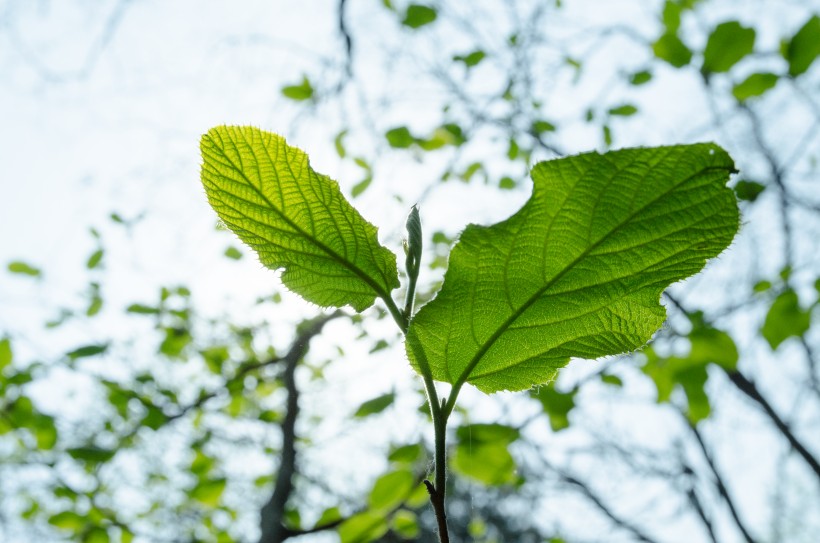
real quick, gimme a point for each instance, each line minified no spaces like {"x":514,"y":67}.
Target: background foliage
{"x":146,"y":396}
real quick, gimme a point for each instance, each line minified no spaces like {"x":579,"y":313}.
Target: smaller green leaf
{"x":45,"y":431}
{"x":726,"y":46}
{"x":176,"y":339}
{"x":506,"y":183}
{"x":624,"y":110}
{"x":95,"y":259}
{"x":23,"y":268}
{"x":400,"y":137}
{"x":540,"y":126}
{"x":762,"y":286}
{"x":94,"y":306}
{"x":87,"y":351}
{"x":471,"y":59}
{"x":405,"y":524}
{"x":6,"y":354}
{"x":339,"y":144}
{"x":209,"y":491}
{"x":329,"y":516}
{"x":390,"y":490}
{"x":671,"y":16}
{"x":640,"y":78}
{"x":671,"y":49}
{"x":804,"y":47}
{"x":361,"y":186}
{"x":613,"y":380}
{"x":754,"y":85}
{"x":233,"y":253}
{"x":362,"y":528}
{"x":96,"y":534}
{"x":300,"y":92}
{"x":785,"y":319}
{"x":487,"y":434}
{"x":141,"y":309}
{"x":748,"y":190}
{"x":490,"y":463}
{"x":91,"y":454}
{"x":710,"y":345}
{"x":418,"y":16}
{"x":556,"y":405}
{"x":607,"y":134}
{"x":406,"y":454}
{"x":374,"y":406}
{"x":69,"y":521}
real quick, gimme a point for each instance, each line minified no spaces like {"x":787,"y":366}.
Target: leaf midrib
{"x":516,"y":314}
{"x":355,"y":269}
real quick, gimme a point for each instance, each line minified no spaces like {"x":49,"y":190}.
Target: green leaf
{"x":329,"y":516}
{"x":471,"y":59}
{"x":23,"y":268}
{"x":624,"y":110}
{"x":92,"y":454}
{"x":68,"y":520}
{"x":87,"y":350}
{"x":727,"y":45}
{"x":294,"y":218}
{"x":406,"y":454}
{"x":640,"y":78}
{"x":540,"y":126}
{"x":376,"y":405}
{"x":209,"y":491}
{"x":390,"y":490}
{"x":400,"y":137}
{"x":710,"y":345}
{"x":233,"y":253}
{"x":785,"y":319}
{"x":362,"y":528}
{"x":556,"y":405}
{"x":804,"y":47}
{"x":490,"y":463}
{"x":670,"y":48}
{"x":754,"y":85}
{"x":579,"y":270}
{"x":748,"y":190}
{"x":95,"y":259}
{"x":671,"y":16}
{"x":142,"y":309}
{"x":339,"y":144}
{"x":300,"y":92}
{"x":6,"y":354}
{"x":418,"y":16}
{"x":405,"y":524}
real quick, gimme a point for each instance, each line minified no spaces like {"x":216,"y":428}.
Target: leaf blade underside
{"x":265,"y":191}
{"x":578,"y":271}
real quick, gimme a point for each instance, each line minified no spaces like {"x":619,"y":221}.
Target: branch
{"x":721,"y":486}
{"x":273,"y":512}
{"x":748,"y":387}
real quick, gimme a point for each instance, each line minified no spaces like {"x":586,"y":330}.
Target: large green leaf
{"x":294,"y":218}
{"x":579,"y":270}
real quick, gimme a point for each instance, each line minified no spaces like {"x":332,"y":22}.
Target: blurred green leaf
{"x":362,"y":528}
{"x":6,"y":354}
{"x":748,"y":190}
{"x":208,"y":491}
{"x":329,"y":516}
{"x":785,"y":319}
{"x":87,"y":351}
{"x":405,"y":524}
{"x":374,"y":406}
{"x":804,"y":47}
{"x":471,"y":59}
{"x":671,"y":16}
{"x":556,"y":404}
{"x":418,"y":15}
{"x":23,"y":268}
{"x":69,"y":521}
{"x":406,"y":454}
{"x":489,"y":463}
{"x":300,"y":92}
{"x":91,"y":454}
{"x":400,"y":137}
{"x":95,"y":259}
{"x":624,"y":110}
{"x":540,"y":126}
{"x":390,"y":490}
{"x":726,"y":46}
{"x":141,"y":309}
{"x":754,"y":85}
{"x":339,"y":144}
{"x":233,"y":253}
{"x":672,"y":50}
{"x":640,"y":78}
